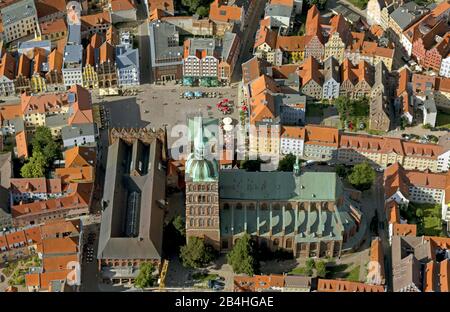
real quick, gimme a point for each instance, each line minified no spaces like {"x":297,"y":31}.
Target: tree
{"x":44,"y":143}
{"x":241,"y":258}
{"x":419,"y":213}
{"x":342,"y":171}
{"x":251,"y":164}
{"x":34,"y":167}
{"x":145,"y":277}
{"x":191,"y":5}
{"x":287,"y":163}
{"x":179,"y":225}
{"x":321,"y":268}
{"x":309,"y":266}
{"x":362,"y":176}
{"x":319,"y":3}
{"x":202,"y":11}
{"x":195,"y":254}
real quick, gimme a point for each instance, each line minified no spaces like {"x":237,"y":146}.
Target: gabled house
{"x":348,"y":78}
{"x":311,"y":79}
{"x":7,"y":75}
{"x":339,"y":38}
{"x":22,"y":81}
{"x":331,"y":78}
{"x":315,"y":47}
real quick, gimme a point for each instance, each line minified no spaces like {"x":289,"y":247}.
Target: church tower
{"x":202,"y":190}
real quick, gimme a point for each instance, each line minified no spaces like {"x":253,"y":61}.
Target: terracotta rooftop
{"x":395,"y":180}
{"x":60,"y":245}
{"x":348,"y":72}
{"x":284,"y":71}
{"x":10,"y":111}
{"x":309,"y":70}
{"x":122,"y":5}
{"x":79,"y":156}
{"x":79,"y":198}
{"x":24,"y":67}
{"x":267,"y":36}
{"x":372,"y":49}
{"x":321,"y":135}
{"x":58,"y":25}
{"x":392,"y":211}
{"x":33,"y":235}
{"x":16,"y":238}
{"x":253,"y":69}
{"x":55,"y":60}
{"x":313,"y":22}
{"x":403,"y":80}
{"x":327,"y":285}
{"x":35,"y":185}
{"x":444,"y":275}
{"x":262,"y":107}
{"x":58,"y":263}
{"x":292,"y":43}
{"x":49,"y":7}
{"x":43,"y":103}
{"x":293,"y":132}
{"x":8,"y":66}
{"x":55,"y":228}
{"x":289,"y":3}
{"x":164,"y":5}
{"x":224,"y":13}
{"x":81,"y":174}
{"x":263,"y":83}
{"x":404,"y":229}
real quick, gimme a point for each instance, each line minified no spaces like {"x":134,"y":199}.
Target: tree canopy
{"x":202,"y":11}
{"x":287,"y":163}
{"x":196,"y":254}
{"x":309,"y":266}
{"x":179,"y":225}
{"x":145,"y":277}
{"x":34,"y":167}
{"x":201,"y":7}
{"x":362,"y":176}
{"x":321,"y":269}
{"x":242,"y":257}
{"x":251,"y":164}
{"x":319,"y":3}
{"x":43,"y":142}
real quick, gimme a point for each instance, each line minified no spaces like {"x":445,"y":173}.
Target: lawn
{"x":360,"y":4}
{"x":353,"y":275}
{"x":429,"y":224}
{"x":299,"y":271}
{"x":432,"y":224}
{"x":204,"y":277}
{"x":337,"y":271}
{"x":443,"y":119}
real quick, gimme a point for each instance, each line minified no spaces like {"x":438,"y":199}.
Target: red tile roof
{"x":321,"y":135}
{"x":404,"y":229}
{"x":224,"y":13}
{"x":327,"y":285}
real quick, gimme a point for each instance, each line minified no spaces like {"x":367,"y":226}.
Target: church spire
{"x":198,"y":140}
{"x":297,"y":166}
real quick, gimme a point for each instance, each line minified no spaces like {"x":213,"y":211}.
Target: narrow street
{"x":383,"y":230}
{"x":144,"y":53}
{"x":248,"y":39}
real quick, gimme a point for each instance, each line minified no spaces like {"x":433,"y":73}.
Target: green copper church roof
{"x":308,"y":186}
{"x":201,"y":167}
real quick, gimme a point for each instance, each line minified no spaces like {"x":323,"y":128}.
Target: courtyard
{"x":157,"y":106}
